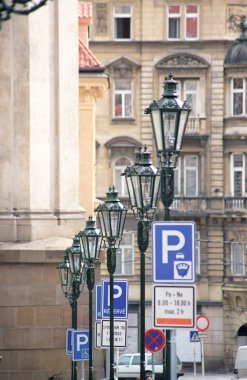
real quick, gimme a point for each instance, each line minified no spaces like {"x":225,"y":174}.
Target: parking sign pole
{"x":143,"y":241}
{"x":90,"y":285}
{"x":167,"y":195}
{"x":73,"y":305}
{"x":111,"y":266}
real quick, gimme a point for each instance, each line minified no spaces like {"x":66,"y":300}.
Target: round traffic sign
{"x":202,"y":323}
{"x":154,"y":340}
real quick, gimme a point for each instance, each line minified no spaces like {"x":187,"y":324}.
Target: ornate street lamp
{"x":90,"y":241}
{"x":20,"y":7}
{"x":72,"y":276}
{"x":112,"y":216}
{"x":65,"y":275}
{"x":143,"y":182}
{"x":169,"y":117}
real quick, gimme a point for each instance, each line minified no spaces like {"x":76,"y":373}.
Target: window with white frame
{"x":239,"y":97}
{"x":125,"y":255}
{"x":237,"y":259}
{"x":186,"y":184}
{"x":191,"y":22}
{"x":239,"y":174}
{"x":187,"y":12}
{"x":123,"y":98}
{"x":188,"y":89}
{"x":174,"y":16}
{"x":122,"y":22}
{"x":191,"y":176}
{"x":118,"y":179}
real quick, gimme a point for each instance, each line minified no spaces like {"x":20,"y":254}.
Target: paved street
{"x":190,"y":376}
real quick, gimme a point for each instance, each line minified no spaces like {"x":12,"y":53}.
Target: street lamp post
{"x":112,"y":216}
{"x":72,"y":275}
{"x":90,"y":242}
{"x":143,"y":184}
{"x":169,"y":117}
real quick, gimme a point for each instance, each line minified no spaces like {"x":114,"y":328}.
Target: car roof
{"x":136,"y":354}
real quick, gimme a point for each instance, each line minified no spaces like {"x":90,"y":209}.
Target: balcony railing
{"x":206,"y":205}
{"x":196,"y":125}
{"x":235,"y":203}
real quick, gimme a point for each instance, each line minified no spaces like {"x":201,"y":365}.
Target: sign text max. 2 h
{"x":173,"y":252}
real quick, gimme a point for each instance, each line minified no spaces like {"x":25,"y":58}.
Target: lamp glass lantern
{"x":90,"y":241}
{"x":169,"y":117}
{"x":112,"y":214}
{"x":75,"y":257}
{"x":143,"y":182}
{"x":65,"y":274}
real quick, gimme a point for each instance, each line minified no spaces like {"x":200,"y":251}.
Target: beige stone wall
{"x":34,"y":312}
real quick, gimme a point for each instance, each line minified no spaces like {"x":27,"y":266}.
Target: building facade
{"x":203,"y":43}
{"x":47,"y":131}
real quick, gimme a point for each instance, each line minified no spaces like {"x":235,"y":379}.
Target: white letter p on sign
{"x":166,"y":247}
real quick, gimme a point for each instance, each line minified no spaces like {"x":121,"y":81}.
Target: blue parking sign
{"x":69,"y":341}
{"x":120,"y":299}
{"x":98,"y":302}
{"x":80,"y":345}
{"x":173,"y":251}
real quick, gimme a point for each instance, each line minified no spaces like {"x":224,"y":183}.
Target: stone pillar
{"x":39,"y":192}
{"x":91,"y":88}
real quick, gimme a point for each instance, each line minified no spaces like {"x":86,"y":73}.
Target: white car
{"x":128,"y":367}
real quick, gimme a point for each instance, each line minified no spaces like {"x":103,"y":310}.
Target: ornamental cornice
{"x":183,"y":60}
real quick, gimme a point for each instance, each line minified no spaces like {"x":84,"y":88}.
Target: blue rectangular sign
{"x":98,"y":302}
{"x":80,"y":345}
{"x":69,"y":341}
{"x":173,"y":251}
{"x":120,"y":299}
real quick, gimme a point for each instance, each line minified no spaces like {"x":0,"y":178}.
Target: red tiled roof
{"x":86,"y":58}
{"x":84,"y":10}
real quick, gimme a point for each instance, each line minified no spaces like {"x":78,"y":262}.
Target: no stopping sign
{"x":154,"y":340}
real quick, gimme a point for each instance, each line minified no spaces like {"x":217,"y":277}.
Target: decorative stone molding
{"x":123,"y":67}
{"x":102,"y":12}
{"x":183,"y":60}
{"x":122,"y":141}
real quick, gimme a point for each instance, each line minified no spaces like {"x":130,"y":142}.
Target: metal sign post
{"x":202,"y":324}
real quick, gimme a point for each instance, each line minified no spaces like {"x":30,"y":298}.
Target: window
{"x":119,"y":180}
{"x":188,"y":183}
{"x":136,"y":360}
{"x":239,"y":98}
{"x":191,"y":23}
{"x":190,"y":176}
{"x":125,"y":255}
{"x":122,"y":22}
{"x":239,"y":175}
{"x":125,"y":360}
{"x":123,"y":98}
{"x":188,"y":89}
{"x":174,"y":22}
{"x":237,"y":259}
{"x":176,"y":14}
